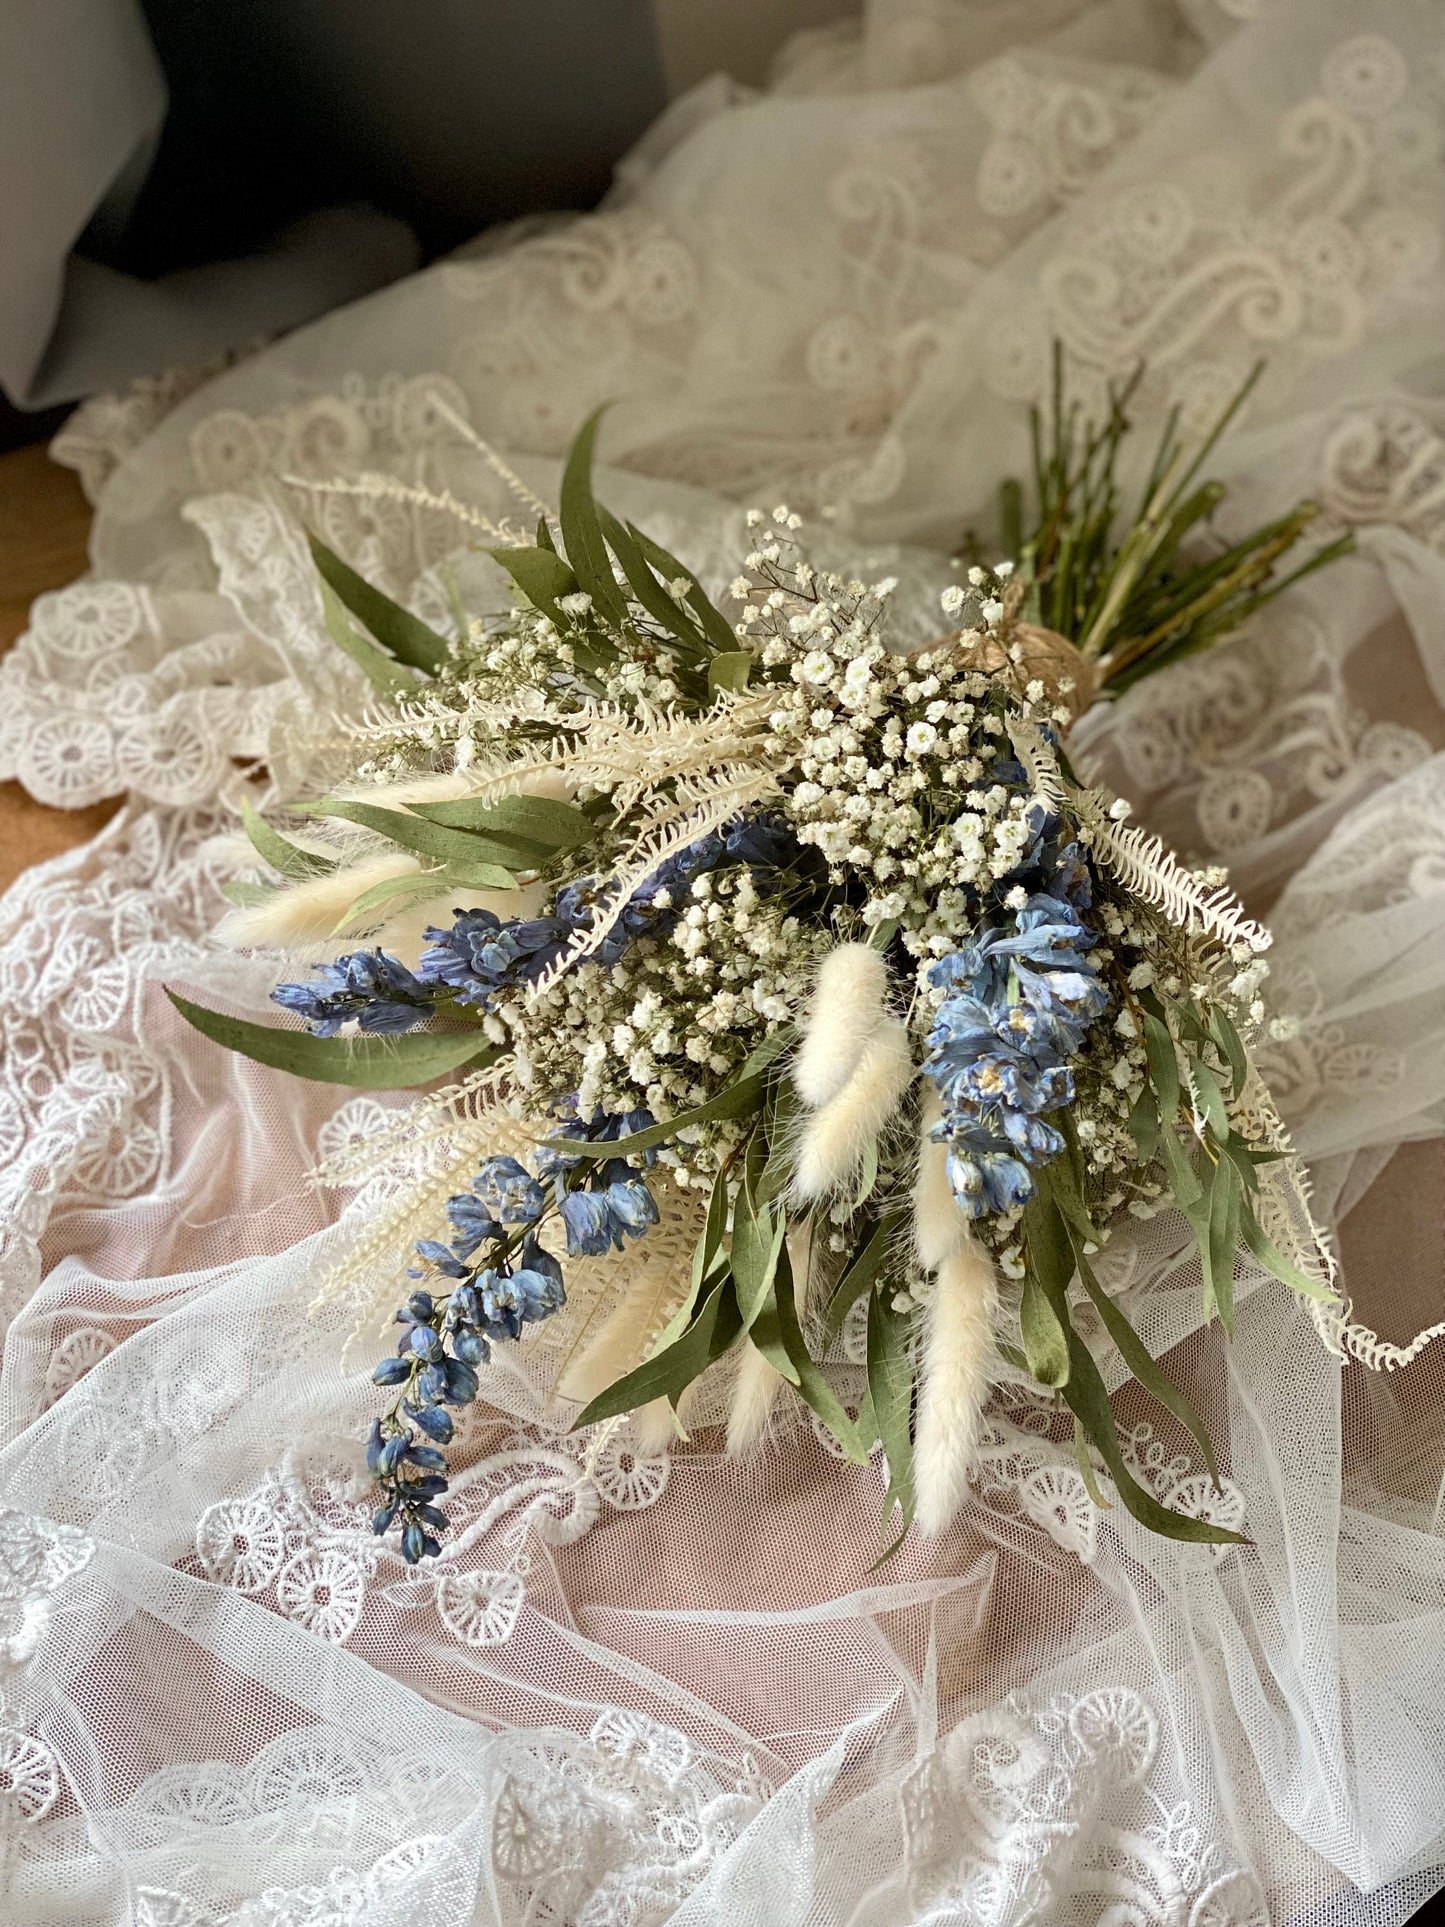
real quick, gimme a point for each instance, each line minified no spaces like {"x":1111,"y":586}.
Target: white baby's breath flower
{"x":921,"y":738}
{"x":816,"y":666}
{"x":952,"y":599}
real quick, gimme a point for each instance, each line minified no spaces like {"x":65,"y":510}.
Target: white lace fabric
{"x":638,"y":1690}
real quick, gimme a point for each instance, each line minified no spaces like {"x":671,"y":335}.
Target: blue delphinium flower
{"x":480,"y":954}
{"x":376,"y":990}
{"x":507,"y":1189}
{"x":1020,"y":1004}
{"x":493,"y":1279}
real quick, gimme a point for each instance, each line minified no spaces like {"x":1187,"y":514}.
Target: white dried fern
{"x":1144,"y":865}
{"x":373,"y":487}
{"x":1041,"y":766}
{"x":640,"y":861}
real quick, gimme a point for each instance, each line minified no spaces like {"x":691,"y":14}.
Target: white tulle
{"x":649,"y":1685}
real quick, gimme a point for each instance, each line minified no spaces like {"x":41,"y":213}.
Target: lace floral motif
{"x":305,"y":1798}
{"x":36,"y":1560}
{"x":1022,"y":1468}
{"x":1191,"y":279}
{"x":80,"y":1095}
{"x":1052,"y":130}
{"x":1386,"y":464}
{"x":95,"y":699}
{"x":104,"y":429}
{"x":615,"y":1830}
{"x":1265,"y":731}
{"x":987,"y":1816}
{"x":559,"y":319}
{"x":1389,"y":851}
{"x":304,"y":1538}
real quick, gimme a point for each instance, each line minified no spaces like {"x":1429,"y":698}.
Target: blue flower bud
{"x":421,"y":1306}
{"x":461,"y":1381}
{"x":471,"y":1347}
{"x":426,"y":1487}
{"x":382,"y":1517}
{"x":413,"y":1544}
{"x":432,"y":1385}
{"x":392,"y":1371}
{"x":433,"y":1421}
{"x":392,"y":1453}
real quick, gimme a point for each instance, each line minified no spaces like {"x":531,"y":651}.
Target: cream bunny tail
{"x":955,"y":1383}
{"x":756,"y":1388}
{"x":621,"y":1341}
{"x":309,"y":912}
{"x":847,"y":1008}
{"x":836,"y":1136}
{"x":940,"y":1226}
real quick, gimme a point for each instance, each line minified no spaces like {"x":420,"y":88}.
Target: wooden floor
{"x":44,"y":525}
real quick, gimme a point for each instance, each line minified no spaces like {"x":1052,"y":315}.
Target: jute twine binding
{"x":1025,"y":652}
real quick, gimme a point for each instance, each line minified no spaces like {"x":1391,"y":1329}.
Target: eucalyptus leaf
{"x":718,"y":630}
{"x":1089,"y":1402}
{"x":1231,"y":1048}
{"x":368,"y":1063}
{"x":1046,"y":1343}
{"x":1142,"y":1364}
{"x":654,"y":597}
{"x":285,"y":857}
{"x":890,"y":1390}
{"x":669,"y":1373}
{"x":1144,"y":1124}
{"x":1163,"y":1061}
{"x":543,"y":577}
{"x":1044,"y":1307}
{"x":425,"y":883}
{"x":779,"y":1336}
{"x":247,"y":896}
{"x":582,"y":527}
{"x":381,"y":670}
{"x":756,"y":1242}
{"x":1209,"y":1096}
{"x":543,"y":821}
{"x":738,"y":1099}
{"x":730,"y":671}
{"x":1086,"y":1469}
{"x":863,"y":1268}
{"x":1224,"y":1239}
{"x":406,"y":636}
{"x":1274,"y":1260}
{"x":475,"y":859}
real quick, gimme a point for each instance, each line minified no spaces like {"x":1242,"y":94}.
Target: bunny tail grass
{"x":939,"y":1226}
{"x":837,"y":1135}
{"x":654,"y":1428}
{"x":309,"y":912}
{"x":846,"y":1009}
{"x":621,"y":1341}
{"x":955,"y":1383}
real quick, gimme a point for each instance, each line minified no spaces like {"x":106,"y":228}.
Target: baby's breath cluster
{"x":673,"y":1018}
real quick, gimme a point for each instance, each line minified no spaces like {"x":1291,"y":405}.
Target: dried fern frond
{"x":505,"y":474}
{"x":640,"y":862}
{"x":1041,"y":765}
{"x":1144,"y":865}
{"x":372,"y":487}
